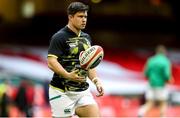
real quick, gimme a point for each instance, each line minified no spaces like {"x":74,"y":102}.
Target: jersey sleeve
{"x":146,"y":68}
{"x":56,"y":46}
{"x":167,"y":71}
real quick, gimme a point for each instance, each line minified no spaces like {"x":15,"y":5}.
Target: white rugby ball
{"x":91,"y":57}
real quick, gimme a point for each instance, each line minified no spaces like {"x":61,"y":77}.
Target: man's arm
{"x":93,"y":77}
{"x":168,"y":73}
{"x":55,"y":66}
{"x":146,"y":69}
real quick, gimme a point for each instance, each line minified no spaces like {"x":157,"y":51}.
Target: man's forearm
{"x":55,"y":66}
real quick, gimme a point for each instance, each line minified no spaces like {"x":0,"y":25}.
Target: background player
{"x":158,"y":73}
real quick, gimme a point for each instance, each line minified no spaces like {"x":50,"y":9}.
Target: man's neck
{"x":76,"y":31}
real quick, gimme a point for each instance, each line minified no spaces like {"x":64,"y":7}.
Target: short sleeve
{"x":146,"y":68}
{"x":56,"y":47}
{"x":167,"y":70}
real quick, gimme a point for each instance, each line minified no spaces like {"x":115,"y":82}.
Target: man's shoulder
{"x":60,"y":33}
{"x":161,"y":59}
{"x":84,"y":34}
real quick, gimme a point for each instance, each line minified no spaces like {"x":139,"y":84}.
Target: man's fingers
{"x":75,"y":71}
{"x":76,"y":77}
{"x":100,"y":94}
{"x":79,"y":78}
{"x":100,"y":90}
{"x":82,"y":79}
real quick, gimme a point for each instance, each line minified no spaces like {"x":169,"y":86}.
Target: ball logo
{"x":91,"y":57}
{"x":86,"y":55}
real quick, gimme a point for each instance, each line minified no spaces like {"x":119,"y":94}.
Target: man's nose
{"x":84,"y":19}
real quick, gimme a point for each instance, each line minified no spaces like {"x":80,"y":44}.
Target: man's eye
{"x":83,"y":16}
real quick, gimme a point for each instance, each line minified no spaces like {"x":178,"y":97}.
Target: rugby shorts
{"x":159,"y":93}
{"x":63,"y":104}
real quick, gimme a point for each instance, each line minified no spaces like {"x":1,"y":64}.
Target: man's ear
{"x":70,"y":16}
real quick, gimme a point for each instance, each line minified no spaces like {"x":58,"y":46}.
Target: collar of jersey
{"x":73,"y":32}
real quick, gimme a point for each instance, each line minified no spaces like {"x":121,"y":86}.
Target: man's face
{"x":79,"y":20}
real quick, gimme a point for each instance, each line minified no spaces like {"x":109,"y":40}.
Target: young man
{"x":69,"y":92}
{"x":158,"y":73}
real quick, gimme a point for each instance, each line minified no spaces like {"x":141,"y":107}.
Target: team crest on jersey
{"x":78,"y":44}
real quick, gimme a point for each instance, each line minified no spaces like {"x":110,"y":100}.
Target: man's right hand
{"x":55,"y":66}
{"x":74,"y":76}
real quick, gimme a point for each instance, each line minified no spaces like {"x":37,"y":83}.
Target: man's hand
{"x":99,"y":89}
{"x":99,"y":86}
{"x":74,"y":76}
{"x":55,"y":66}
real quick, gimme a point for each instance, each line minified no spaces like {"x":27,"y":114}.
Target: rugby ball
{"x":91,"y":57}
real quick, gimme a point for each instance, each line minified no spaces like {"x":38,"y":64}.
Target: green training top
{"x":158,"y":70}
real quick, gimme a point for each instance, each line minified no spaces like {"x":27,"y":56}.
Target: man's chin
{"x":83,"y":27}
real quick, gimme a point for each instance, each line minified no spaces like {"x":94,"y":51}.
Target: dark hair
{"x":75,"y":7}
